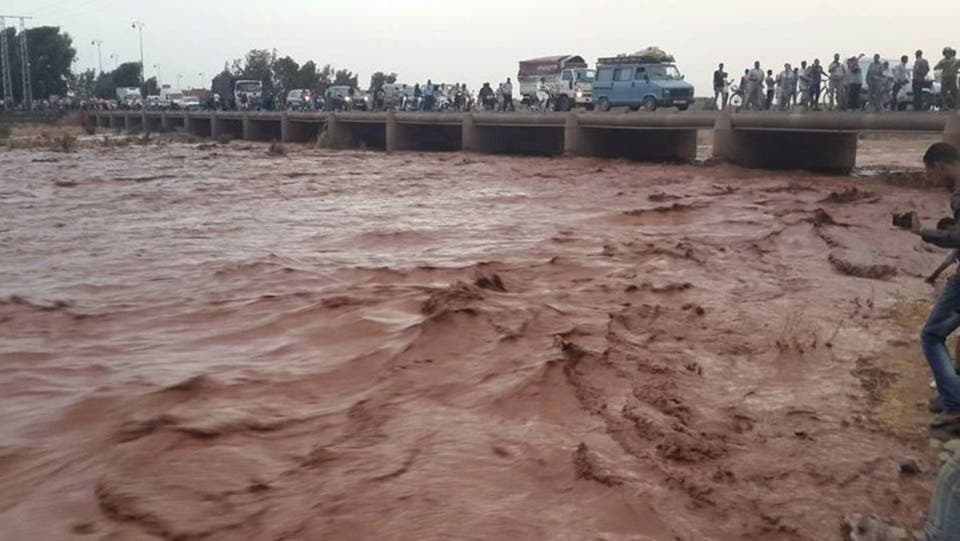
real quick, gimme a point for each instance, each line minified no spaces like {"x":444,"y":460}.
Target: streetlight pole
{"x":157,"y":68}
{"x":202,"y":84}
{"x":139,"y":26}
{"x":179,"y":76}
{"x":116,"y":60}
{"x":98,"y":43}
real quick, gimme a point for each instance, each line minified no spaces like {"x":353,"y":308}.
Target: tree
{"x":51,"y":54}
{"x":346,"y":78}
{"x":286,"y":75}
{"x":378,"y":79}
{"x":151,"y":87}
{"x":223,"y":84}
{"x":127,"y":74}
{"x":257,"y":65}
{"x":84,"y":84}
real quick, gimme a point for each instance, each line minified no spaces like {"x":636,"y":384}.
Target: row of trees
{"x":52,"y":54}
{"x":283,"y":74}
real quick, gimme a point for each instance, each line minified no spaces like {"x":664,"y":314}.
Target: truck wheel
{"x":683,"y":107}
{"x":650,"y":103}
{"x":603,"y":104}
{"x":563,"y":103}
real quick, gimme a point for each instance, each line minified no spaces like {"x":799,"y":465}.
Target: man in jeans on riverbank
{"x":942,"y":162}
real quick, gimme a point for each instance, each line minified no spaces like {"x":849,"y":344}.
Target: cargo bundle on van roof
{"x":650,"y":55}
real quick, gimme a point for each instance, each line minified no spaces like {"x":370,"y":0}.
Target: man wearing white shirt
{"x":901,"y":78}
{"x":838,"y":72}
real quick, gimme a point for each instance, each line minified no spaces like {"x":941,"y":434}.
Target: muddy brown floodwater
{"x":204,"y":342}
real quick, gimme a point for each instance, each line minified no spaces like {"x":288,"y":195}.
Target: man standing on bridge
{"x":875,"y":80}
{"x":948,"y":78}
{"x":816,"y":82}
{"x":901,"y":77}
{"x":720,"y":87}
{"x":507,"y":90}
{"x":755,"y":88}
{"x":920,"y":70}
{"x":838,"y":72}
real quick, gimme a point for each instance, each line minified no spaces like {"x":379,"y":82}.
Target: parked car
{"x":347,"y":98}
{"x":635,"y":81}
{"x":299,"y":99}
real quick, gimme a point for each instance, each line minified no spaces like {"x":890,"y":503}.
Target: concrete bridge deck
{"x":812,"y":140}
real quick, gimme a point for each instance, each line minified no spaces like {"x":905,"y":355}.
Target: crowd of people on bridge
{"x":851,"y":84}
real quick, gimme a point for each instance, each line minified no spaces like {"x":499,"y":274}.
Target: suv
{"x":634,"y":82}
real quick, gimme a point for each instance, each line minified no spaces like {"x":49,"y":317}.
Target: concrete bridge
{"x":816,"y":141}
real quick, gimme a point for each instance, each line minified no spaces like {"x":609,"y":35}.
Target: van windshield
{"x":586,"y":75}
{"x":248,"y":87}
{"x":663,"y":72}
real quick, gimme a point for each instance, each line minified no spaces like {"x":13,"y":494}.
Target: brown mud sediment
{"x":204,"y":343}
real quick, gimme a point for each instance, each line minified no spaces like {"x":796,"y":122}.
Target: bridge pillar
{"x":214,"y":125}
{"x":951,"y":132}
{"x":187,"y":122}
{"x":247,"y":127}
{"x":131,"y":122}
{"x":164,"y":122}
{"x":338,"y":135}
{"x":469,"y":136}
{"x":723,"y":147}
{"x":572,"y":135}
{"x":144,"y":121}
{"x":286,"y":135}
{"x":393,"y":135}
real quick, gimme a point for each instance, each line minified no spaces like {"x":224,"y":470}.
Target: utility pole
{"x":116,"y":60}
{"x":201,"y":80}
{"x":98,"y":43}
{"x":5,"y":66}
{"x":179,"y":76}
{"x":24,"y":62}
{"x":139,"y":26}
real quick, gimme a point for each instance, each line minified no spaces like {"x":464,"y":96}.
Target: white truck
{"x":568,"y":80}
{"x":171,"y":98}
{"x":129,"y":97}
{"x":248,"y":94}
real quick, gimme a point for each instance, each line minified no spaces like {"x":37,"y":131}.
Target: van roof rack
{"x":635,"y":59}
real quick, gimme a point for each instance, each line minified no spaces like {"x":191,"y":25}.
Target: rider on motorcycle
{"x":487,"y":98}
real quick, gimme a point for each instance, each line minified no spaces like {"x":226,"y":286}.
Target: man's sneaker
{"x":946,"y":418}
{"x":933,"y":384}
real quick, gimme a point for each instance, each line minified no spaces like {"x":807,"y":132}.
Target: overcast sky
{"x":477,"y":41}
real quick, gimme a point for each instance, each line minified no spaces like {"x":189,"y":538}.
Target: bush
{"x":224,"y":139}
{"x":90,"y":128}
{"x":5,"y":131}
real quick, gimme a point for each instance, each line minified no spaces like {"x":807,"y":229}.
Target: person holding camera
{"x":942,"y":163}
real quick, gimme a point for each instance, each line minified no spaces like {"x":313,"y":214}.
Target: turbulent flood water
{"x":205,"y":342}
